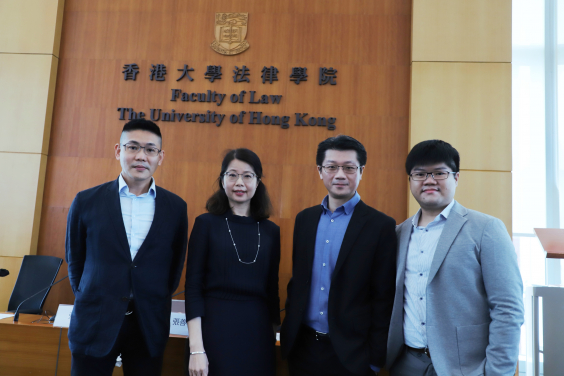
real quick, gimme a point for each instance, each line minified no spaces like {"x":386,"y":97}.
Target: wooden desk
{"x":28,"y":348}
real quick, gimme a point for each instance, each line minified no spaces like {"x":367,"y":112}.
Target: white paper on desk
{"x":62,"y":319}
{"x":6,"y":315}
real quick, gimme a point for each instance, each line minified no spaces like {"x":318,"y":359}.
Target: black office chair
{"x":36,"y":273}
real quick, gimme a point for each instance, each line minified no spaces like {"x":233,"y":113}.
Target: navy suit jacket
{"x":103,"y":275}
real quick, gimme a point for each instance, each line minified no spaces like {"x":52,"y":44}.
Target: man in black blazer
{"x":125,"y":247}
{"x":341,"y":293}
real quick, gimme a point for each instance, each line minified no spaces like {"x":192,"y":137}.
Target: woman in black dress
{"x":232,"y":303}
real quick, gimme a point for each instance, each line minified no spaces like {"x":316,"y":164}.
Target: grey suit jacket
{"x":474,"y":297}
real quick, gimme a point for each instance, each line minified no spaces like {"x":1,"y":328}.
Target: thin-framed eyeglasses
{"x":149,"y":151}
{"x":333,"y":169}
{"x":247,"y":177}
{"x":437,"y":175}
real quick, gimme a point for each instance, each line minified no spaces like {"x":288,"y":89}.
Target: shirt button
{"x":421,"y":274}
{"x":326,"y":241}
{"x":323,"y":288}
{"x":426,"y":230}
{"x":323,"y":264}
{"x":320,"y":313}
{"x":422,"y":323}
{"x":420,"y":298}
{"x":421,"y":251}
{"x":332,"y":220}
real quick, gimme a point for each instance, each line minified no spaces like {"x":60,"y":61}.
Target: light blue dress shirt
{"x":330,"y":233}
{"x":137,"y":213}
{"x":420,"y":252}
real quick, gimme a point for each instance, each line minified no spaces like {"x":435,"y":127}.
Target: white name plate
{"x":62,"y":320}
{"x":178,"y":324}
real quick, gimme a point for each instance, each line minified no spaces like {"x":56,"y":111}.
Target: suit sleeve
{"x":181,"y":242}
{"x":290,"y":283}
{"x":504,"y":289}
{"x":195,"y":270}
{"x":383,"y":292}
{"x":273,"y":295}
{"x":75,"y":244}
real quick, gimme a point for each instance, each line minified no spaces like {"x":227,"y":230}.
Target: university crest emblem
{"x":230,"y":33}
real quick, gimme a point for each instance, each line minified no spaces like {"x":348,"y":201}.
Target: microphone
{"x":4,"y":272}
{"x":17,"y":314}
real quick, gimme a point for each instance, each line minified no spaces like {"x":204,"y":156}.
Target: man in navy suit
{"x":125,"y":247}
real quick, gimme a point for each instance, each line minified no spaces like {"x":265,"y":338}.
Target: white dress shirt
{"x":137,"y":213}
{"x":420,"y":252}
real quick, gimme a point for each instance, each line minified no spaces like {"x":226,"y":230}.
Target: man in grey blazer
{"x":458,"y":306}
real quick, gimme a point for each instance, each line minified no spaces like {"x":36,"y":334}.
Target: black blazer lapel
{"x":311,"y":222}
{"x":161,"y":208}
{"x":356,"y":224}
{"x":114,"y":213}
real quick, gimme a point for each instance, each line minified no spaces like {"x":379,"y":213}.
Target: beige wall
{"x":30,"y":34}
{"x":461,"y":93}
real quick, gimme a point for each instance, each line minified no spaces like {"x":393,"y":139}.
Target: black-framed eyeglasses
{"x":247,"y":177}
{"x":333,"y":169}
{"x":149,"y":151}
{"x":437,"y":175}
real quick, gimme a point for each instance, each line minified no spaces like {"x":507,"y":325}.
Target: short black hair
{"x":142,"y":125}
{"x":218,"y":203}
{"x":342,"y":143}
{"x":432,"y":152}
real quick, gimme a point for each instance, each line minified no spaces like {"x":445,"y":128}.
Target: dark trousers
{"x":411,"y":363}
{"x":135,"y":356}
{"x":311,"y":356}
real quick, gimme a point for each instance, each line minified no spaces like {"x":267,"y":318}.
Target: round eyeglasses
{"x":248,"y":177}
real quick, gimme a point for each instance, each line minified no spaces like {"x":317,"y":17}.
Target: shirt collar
{"x":444,"y":214}
{"x":348,"y":206}
{"x":123,"y":185}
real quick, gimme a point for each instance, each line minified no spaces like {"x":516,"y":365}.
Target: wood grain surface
{"x":28,"y":348}
{"x":367,"y":41}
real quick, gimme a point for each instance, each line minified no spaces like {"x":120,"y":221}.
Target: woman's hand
{"x":198,"y":365}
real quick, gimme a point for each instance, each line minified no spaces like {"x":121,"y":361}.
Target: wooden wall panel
{"x":368,"y":42}
{"x":31,"y":26}
{"x":462,"y":30}
{"x":27,"y":90}
{"x":20,"y":201}
{"x":467,"y":105}
{"x":12,"y":264}
{"x":29,"y":44}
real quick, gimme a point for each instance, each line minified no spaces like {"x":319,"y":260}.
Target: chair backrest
{"x":36,"y":273}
